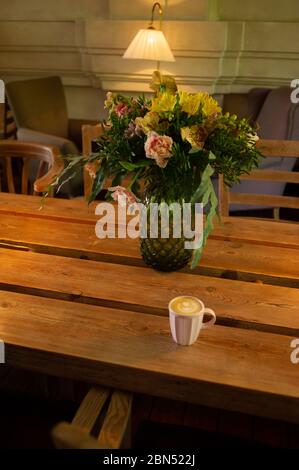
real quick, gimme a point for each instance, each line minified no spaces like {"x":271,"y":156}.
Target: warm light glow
{"x":149,"y":44}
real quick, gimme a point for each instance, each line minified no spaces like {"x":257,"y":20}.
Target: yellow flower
{"x":209,"y":105}
{"x":195,"y":135}
{"x":148,"y":123}
{"x":190,"y":102}
{"x":109,"y":100}
{"x":164,"y":103}
{"x":165,"y":82}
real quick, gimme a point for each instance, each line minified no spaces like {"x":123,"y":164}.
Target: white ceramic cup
{"x":185,"y":327}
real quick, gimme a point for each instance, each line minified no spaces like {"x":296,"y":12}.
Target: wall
{"x":219,"y":45}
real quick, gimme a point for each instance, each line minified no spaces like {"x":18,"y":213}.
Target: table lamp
{"x":150,"y":43}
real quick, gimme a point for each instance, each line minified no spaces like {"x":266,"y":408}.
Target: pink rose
{"x":122,"y":195}
{"x":158,"y":147}
{"x":121,"y":109}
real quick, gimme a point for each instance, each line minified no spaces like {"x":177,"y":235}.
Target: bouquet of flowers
{"x":174,"y":143}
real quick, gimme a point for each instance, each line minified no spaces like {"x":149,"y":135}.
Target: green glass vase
{"x":164,"y":253}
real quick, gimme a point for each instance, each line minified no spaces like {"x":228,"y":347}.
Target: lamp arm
{"x":156,"y":5}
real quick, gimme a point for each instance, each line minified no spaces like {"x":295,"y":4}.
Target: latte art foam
{"x":186,"y":306}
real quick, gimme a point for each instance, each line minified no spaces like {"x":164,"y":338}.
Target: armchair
{"x":39,"y":105}
{"x":40,"y":113}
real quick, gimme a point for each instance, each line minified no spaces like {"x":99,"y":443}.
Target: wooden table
{"x":75,"y":306}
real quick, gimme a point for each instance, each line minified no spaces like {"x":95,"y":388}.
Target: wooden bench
{"x":102,"y":422}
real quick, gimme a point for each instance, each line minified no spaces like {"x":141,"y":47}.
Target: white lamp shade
{"x":149,"y":44}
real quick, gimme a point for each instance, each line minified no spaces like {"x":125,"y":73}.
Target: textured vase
{"x":165,"y":254}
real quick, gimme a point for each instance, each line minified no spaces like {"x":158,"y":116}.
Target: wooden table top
{"x":88,"y":309}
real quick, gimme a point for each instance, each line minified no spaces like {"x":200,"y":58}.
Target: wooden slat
{"x":230,"y":228}
{"x":90,"y":408}
{"x":67,"y":210}
{"x":231,"y":368}
{"x":69,"y":436}
{"x":279,"y":148}
{"x":257,"y":232}
{"x":25,"y":175}
{"x":9,"y":175}
{"x":264,"y":200}
{"x":223,"y":197}
{"x":242,"y":304}
{"x":269,"y":148}
{"x":117,"y":421}
{"x":273,"y":175}
{"x":250,"y":262}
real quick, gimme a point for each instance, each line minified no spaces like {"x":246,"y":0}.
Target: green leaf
{"x":116,"y":180}
{"x":98,"y":182}
{"x":208,"y":195}
{"x":134,"y":179}
{"x":204,"y":184}
{"x":133,"y":166}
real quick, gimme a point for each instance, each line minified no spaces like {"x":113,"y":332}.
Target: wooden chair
{"x":8,"y":128}
{"x":47,"y":156}
{"x":102,"y":421}
{"x":40,"y":112}
{"x":269,"y":148}
{"x":89,"y":133}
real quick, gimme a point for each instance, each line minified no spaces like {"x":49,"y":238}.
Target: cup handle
{"x":211,"y":322}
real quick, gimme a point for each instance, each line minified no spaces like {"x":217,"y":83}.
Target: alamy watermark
{"x":2,"y":92}
{"x":151,"y":221}
{"x":2,"y":352}
{"x":295,"y":93}
{"x":294,"y":357}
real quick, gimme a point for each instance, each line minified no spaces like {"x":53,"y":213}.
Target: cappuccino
{"x":186,"y":305}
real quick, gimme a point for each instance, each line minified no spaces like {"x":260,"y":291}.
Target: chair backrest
{"x":12,"y":151}
{"x":9,"y":125}
{"x":39,"y":104}
{"x":270,"y":149}
{"x":89,"y":133}
{"x":246,"y":105}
